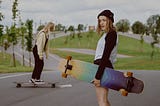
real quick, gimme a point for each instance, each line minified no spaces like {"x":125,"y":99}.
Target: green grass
{"x":7,"y":67}
{"x":86,"y":41}
{"x":140,"y":60}
{"x":79,"y":56}
{"x":141,"y":53}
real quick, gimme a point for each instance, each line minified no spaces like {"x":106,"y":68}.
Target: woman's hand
{"x":41,"y":57}
{"x":96,"y":82}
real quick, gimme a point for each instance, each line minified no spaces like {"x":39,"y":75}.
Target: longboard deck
{"x":116,"y":80}
{"x":111,"y":78}
{"x":30,"y":84}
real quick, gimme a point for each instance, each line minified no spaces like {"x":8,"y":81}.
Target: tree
{"x":7,"y":40}
{"x":22,"y":31}
{"x":65,"y":31}
{"x":139,"y":28}
{"x":72,"y":30}
{"x":59,"y":27}
{"x":1,"y":27}
{"x":13,"y":28}
{"x":80,"y":28}
{"x":123,"y":25}
{"x":7,"y":30}
{"x":1,"y":15}
{"x":153,"y":24}
{"x":1,"y":35}
{"x":90,"y":37}
{"x":29,"y":38}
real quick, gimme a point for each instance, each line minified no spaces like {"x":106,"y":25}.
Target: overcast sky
{"x":74,"y":12}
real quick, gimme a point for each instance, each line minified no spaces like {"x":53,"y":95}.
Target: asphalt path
{"x":88,"y":51}
{"x":79,"y":94}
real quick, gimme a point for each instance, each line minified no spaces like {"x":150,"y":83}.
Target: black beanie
{"x":108,"y":14}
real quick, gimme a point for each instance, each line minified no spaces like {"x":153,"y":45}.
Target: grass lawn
{"x":6,"y":65}
{"x":140,"y":60}
{"x":141,"y":53}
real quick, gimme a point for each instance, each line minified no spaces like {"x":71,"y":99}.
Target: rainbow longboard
{"x":116,"y":80}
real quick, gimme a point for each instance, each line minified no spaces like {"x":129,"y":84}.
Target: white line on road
{"x":9,"y":76}
{"x":64,"y":86}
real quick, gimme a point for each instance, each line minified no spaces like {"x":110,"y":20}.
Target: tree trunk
{"x":14,"y":60}
{"x":23,"y":61}
{"x":30,"y":59}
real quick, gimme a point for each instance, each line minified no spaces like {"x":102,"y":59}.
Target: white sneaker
{"x":32,"y":80}
{"x":39,"y":81}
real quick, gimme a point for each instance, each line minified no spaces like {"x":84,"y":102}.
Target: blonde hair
{"x":109,"y":27}
{"x":49,"y":27}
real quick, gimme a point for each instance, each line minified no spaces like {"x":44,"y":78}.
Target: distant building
{"x":91,"y":28}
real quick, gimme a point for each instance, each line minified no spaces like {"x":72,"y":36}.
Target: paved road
{"x":80,"y":94}
{"x":88,"y":51}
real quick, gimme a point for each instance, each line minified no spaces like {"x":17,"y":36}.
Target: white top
{"x":100,"y":49}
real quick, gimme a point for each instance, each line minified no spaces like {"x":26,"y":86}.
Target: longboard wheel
{"x":18,"y":85}
{"x":69,"y":57}
{"x":128,"y":74}
{"x":53,"y":86}
{"x":64,"y":75}
{"x":124,"y":92}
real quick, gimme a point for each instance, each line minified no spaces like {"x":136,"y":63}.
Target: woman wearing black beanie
{"x":106,"y":51}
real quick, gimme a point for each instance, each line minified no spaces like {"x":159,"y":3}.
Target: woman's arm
{"x":110,"y":39}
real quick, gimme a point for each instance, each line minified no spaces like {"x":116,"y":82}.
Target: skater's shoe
{"x":39,"y":81}
{"x":32,"y":80}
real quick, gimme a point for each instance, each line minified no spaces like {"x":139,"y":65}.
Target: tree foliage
{"x":1,"y":27}
{"x":123,"y":25}
{"x":72,"y":30}
{"x":59,"y":27}
{"x":80,"y":27}
{"x":29,"y":37}
{"x":153,"y":23}
{"x":13,"y":28}
{"x":14,"y":10}
{"x":138,"y":28}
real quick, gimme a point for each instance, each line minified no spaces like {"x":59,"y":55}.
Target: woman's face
{"x":103,"y":22}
